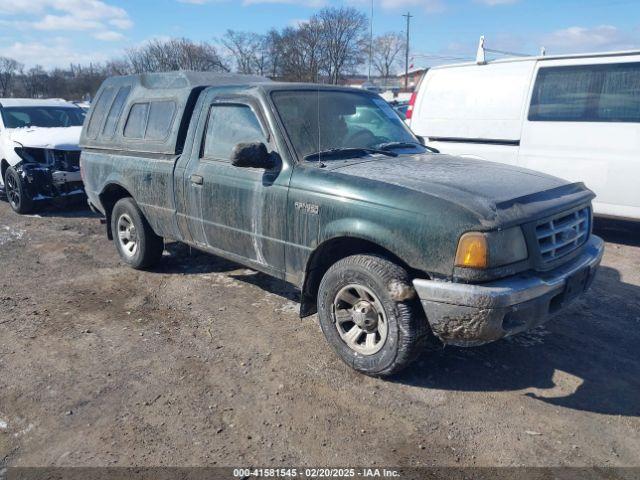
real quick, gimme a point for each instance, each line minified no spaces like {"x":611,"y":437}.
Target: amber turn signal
{"x":473,"y":251}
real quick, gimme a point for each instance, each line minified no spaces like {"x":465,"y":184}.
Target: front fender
{"x":398,"y":242}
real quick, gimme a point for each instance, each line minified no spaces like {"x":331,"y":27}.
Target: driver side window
{"x":227,"y":126}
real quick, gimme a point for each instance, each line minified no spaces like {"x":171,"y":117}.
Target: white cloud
{"x":109,"y":36}
{"x":583,"y":39}
{"x":66,"y":15}
{"x":493,"y":3}
{"x":305,"y":3}
{"x":430,"y":6}
{"x":63,"y":22}
{"x":56,"y":52}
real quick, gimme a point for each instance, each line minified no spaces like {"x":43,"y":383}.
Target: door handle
{"x":197,"y":179}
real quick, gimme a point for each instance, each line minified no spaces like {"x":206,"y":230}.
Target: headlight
{"x":491,"y":249}
{"x":34,"y":155}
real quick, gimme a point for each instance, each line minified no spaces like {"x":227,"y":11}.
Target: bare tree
{"x":9,"y":68}
{"x":175,"y":54}
{"x":36,"y":82}
{"x":247,"y":50}
{"x":303,"y":52}
{"x":344,"y":31}
{"x":274,"y":48}
{"x":386,"y":51}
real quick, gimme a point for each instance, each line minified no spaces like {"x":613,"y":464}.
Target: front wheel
{"x":373,"y":329}
{"x":137,"y":243}
{"x":17,"y":193}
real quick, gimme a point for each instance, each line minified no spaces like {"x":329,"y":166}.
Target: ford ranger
{"x":325,"y":187}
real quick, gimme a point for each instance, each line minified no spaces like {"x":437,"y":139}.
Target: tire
{"x":17,"y":193}
{"x":136,"y":242}
{"x":400,"y":326}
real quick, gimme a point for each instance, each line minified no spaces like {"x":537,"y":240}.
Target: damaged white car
{"x":39,"y":152}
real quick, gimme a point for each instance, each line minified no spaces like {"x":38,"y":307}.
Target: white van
{"x":576,"y":117}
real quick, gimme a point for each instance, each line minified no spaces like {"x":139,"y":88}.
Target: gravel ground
{"x":203,"y":362}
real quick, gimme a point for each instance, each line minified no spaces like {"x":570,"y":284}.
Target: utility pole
{"x":408,"y":16}
{"x":370,"y":43}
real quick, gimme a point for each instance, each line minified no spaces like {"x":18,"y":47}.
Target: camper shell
{"x":165,"y":102}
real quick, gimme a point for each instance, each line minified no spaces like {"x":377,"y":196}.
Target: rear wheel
{"x":16,"y":191}
{"x":137,"y":243}
{"x":369,"y":329}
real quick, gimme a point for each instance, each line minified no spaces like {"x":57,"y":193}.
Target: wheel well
{"x":108,"y":198}
{"x":3,"y":168}
{"x":331,"y":252}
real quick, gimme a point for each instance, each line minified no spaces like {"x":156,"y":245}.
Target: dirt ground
{"x":204,"y":362}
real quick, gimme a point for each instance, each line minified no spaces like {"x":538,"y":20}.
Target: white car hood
{"x":53,"y":138}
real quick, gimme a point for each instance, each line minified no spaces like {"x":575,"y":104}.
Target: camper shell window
{"x":99,"y":111}
{"x":115,"y":112}
{"x":150,"y":120}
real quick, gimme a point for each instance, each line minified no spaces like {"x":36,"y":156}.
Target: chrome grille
{"x":563,"y":234}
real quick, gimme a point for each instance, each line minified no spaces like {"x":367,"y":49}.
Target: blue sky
{"x":57,"y":32}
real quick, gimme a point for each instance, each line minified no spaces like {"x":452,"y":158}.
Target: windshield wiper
{"x":334,"y":152}
{"x":390,"y":145}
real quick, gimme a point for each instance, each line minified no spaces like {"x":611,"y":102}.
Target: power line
{"x":408,"y":16}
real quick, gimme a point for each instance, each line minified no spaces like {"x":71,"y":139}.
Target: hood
{"x":493,"y":191}
{"x":51,"y":138}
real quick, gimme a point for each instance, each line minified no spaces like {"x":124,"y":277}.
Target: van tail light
{"x":412,"y":103}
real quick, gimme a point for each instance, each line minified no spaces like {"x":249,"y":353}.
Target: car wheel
{"x":137,"y":243}
{"x":17,"y":194}
{"x":364,"y":321}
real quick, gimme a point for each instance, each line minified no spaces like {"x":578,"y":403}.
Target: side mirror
{"x":251,"y":155}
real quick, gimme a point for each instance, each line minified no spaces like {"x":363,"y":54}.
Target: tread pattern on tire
{"x":413,"y":329}
{"x":26,"y":202}
{"x":151,"y":245}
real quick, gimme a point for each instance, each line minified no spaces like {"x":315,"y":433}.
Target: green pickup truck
{"x":391,"y":243}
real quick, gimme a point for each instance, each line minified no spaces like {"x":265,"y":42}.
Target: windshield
{"x":48,"y":117}
{"x":325,"y":120}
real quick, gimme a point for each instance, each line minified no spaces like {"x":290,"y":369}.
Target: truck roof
{"x":185,"y":79}
{"x":542,"y":58}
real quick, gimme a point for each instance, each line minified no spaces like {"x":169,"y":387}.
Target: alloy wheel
{"x":360,"y":319}
{"x":127,"y":235}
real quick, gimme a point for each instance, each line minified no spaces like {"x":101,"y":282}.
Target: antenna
{"x":370,"y":43}
{"x":543,"y":52}
{"x":481,"y":58}
{"x":319,"y":136}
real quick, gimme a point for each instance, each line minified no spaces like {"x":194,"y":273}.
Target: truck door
{"x":242,"y":211}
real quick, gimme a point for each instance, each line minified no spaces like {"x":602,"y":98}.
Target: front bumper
{"x":468,"y":315}
{"x":44,"y":182}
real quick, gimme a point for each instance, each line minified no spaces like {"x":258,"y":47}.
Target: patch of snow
{"x":24,"y":431}
{"x":7,"y":234}
{"x":3,"y":425}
